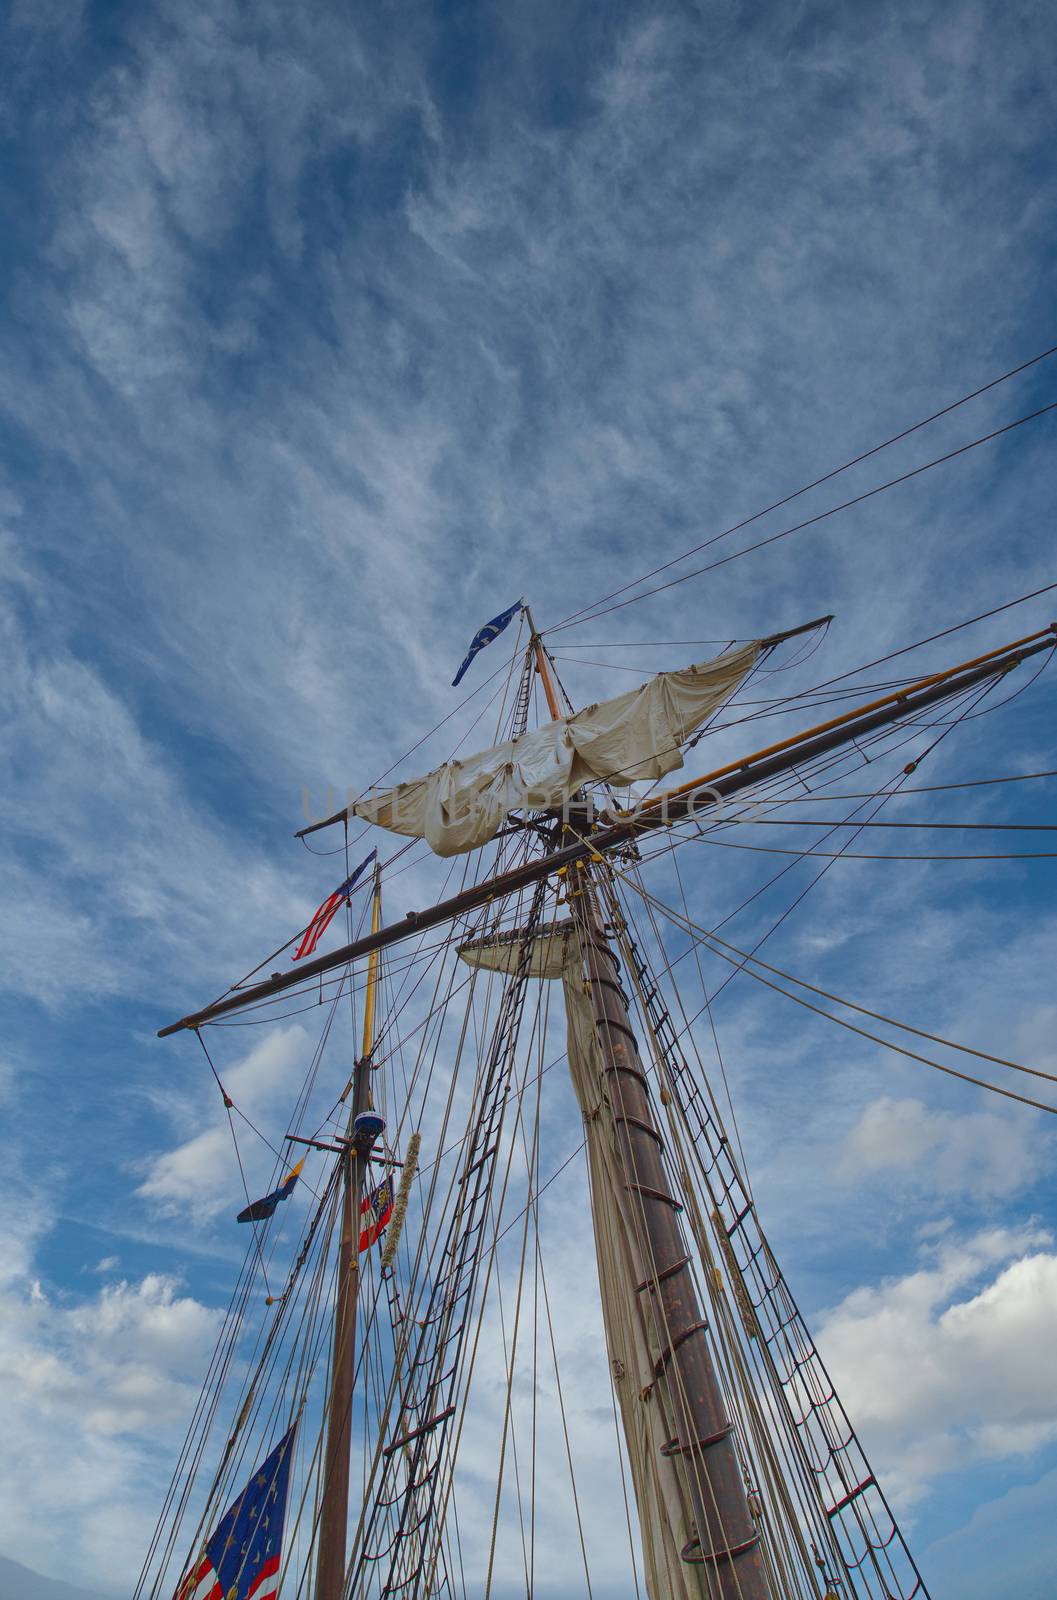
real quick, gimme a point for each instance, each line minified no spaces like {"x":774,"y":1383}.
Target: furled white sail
{"x":633,"y":1338}
{"x":550,"y":952}
{"x":637,"y":735}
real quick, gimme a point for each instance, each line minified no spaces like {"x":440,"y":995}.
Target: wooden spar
{"x":769,"y":643}
{"x":543,"y":668}
{"x":794,"y":633}
{"x":1046,"y":634}
{"x":372,"y":972}
{"x":690,"y":799}
{"x":334,"y":1499}
{"x":726,"y":1540}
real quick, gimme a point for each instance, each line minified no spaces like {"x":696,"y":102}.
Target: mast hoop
{"x":637,"y":1122}
{"x":680,"y":1339}
{"x":674,"y":1448}
{"x":715,"y":1557}
{"x":654,"y":1194}
{"x":660,"y":1277}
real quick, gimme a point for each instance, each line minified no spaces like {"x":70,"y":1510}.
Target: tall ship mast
{"x":385,"y":1413}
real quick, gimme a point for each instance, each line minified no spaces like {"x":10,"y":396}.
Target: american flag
{"x":240,"y":1561}
{"x":326,"y":913}
{"x":376,"y":1208}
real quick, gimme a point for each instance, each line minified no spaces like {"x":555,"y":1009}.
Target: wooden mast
{"x":536,"y":645}
{"x":334,"y":1504}
{"x":727,"y":1540}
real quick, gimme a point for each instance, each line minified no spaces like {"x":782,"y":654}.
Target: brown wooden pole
{"x":334,"y":1499}
{"x":543,"y":668}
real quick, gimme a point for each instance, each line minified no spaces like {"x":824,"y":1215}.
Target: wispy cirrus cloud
{"x":327,"y":339}
{"x":978,"y":1153}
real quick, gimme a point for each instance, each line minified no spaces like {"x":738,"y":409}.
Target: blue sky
{"x":328,"y":331}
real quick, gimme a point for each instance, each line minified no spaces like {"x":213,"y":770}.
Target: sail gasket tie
{"x":680,"y":1339}
{"x":693,"y":1554}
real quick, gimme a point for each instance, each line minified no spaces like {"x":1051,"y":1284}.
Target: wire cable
{"x":826,"y":477}
{"x":820,"y":516}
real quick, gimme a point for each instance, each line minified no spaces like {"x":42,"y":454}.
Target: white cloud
{"x":91,"y":1391}
{"x":189,"y":1177}
{"x":951,"y":1364}
{"x":139,"y":1347}
{"x":972,"y":1153}
{"x":200,"y":1176}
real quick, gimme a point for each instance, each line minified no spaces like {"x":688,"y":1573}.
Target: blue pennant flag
{"x":243,"y":1555}
{"x":485,"y":635}
{"x":258,"y":1210}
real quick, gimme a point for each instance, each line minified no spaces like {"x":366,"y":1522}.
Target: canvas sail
{"x":635,"y":736}
{"x":633,"y":1340}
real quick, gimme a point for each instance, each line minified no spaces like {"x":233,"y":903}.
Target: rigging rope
{"x":746,"y":962}
{"x":805,"y":1379}
{"x":860,"y":855}
{"x":834,"y":472}
{"x":808,"y":522}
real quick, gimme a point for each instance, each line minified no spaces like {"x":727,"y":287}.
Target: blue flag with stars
{"x":241,"y":1560}
{"x":485,"y":635}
